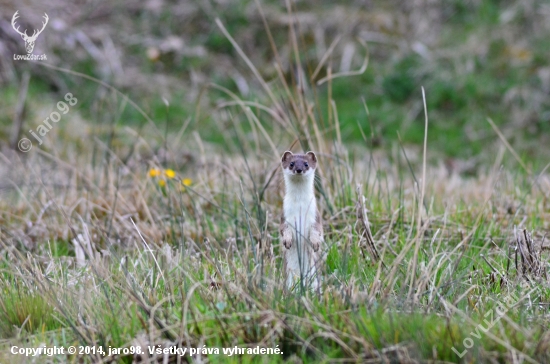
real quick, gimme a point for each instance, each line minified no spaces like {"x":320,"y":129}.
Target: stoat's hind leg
{"x":290,"y":276}
{"x":315,"y":272}
{"x":316,"y":233}
{"x":317,"y":255}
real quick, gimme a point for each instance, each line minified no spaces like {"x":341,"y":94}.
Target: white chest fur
{"x":299,"y":205}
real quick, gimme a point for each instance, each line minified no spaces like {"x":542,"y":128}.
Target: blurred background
{"x":169,"y":147}
{"x":476,"y":59}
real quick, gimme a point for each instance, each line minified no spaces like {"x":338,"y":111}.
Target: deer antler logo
{"x":29,"y":41}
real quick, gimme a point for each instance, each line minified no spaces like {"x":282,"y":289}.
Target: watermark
{"x":25,"y":144}
{"x":29,"y":40}
{"x":491,"y":318}
{"x":139,"y":350}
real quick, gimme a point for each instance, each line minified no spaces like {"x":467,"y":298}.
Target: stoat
{"x":301,"y":228}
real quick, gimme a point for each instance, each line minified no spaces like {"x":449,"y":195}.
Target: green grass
{"x":25,"y":311}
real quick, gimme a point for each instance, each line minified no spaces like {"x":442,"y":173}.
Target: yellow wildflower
{"x":153,"y":172}
{"x":185,"y":182}
{"x":170,"y":173}
{"x":162,"y":183}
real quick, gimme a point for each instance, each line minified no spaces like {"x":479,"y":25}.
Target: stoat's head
{"x":299,"y":165}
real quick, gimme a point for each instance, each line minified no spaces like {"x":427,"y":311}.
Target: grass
{"x":213,"y":274}
{"x":96,"y":250}
{"x":227,"y":290}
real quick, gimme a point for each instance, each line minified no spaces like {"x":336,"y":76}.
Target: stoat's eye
{"x":291,"y":164}
{"x":305,"y":164}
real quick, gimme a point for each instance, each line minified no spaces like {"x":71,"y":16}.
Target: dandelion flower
{"x":162,"y":183}
{"x":153,"y":172}
{"x":185,"y":182}
{"x":170,"y":173}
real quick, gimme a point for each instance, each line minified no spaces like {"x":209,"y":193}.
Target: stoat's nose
{"x":298,"y":170}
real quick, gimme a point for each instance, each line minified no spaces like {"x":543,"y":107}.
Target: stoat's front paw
{"x":287,"y":243}
{"x":315,"y":246}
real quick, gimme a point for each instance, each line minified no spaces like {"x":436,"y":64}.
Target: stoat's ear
{"x":312,"y":156}
{"x":286,"y":156}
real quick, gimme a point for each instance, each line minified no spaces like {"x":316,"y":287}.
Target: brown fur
{"x":299,"y":162}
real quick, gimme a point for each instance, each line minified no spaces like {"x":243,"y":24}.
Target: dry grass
{"x":202,"y":266}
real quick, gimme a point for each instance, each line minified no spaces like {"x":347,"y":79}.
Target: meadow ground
{"x":117,"y":256}
{"x":151,"y":222}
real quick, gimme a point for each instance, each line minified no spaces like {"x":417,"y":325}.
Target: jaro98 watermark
{"x":491,"y":318}
{"x":25,"y":144}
